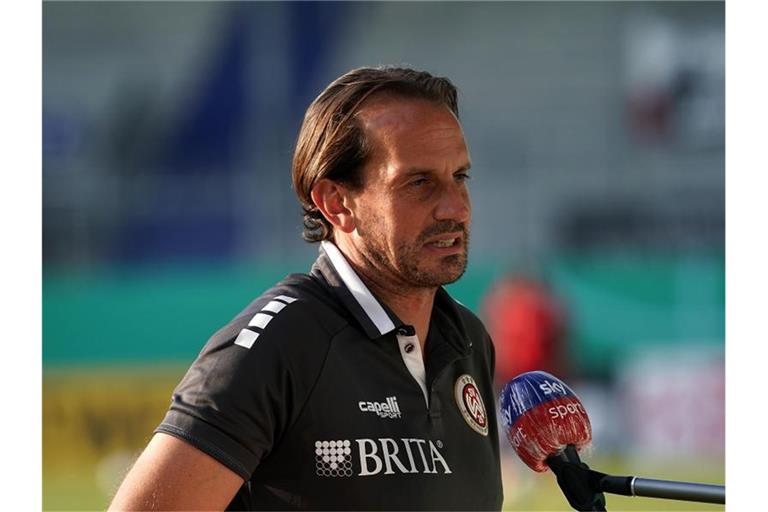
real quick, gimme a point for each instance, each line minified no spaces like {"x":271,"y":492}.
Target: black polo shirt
{"x":320,"y":398}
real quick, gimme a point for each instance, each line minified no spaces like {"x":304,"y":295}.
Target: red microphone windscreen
{"x":541,"y":416}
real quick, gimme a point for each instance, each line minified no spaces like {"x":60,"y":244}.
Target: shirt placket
{"x":410,"y":351}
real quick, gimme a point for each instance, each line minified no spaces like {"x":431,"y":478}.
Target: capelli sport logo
{"x":382,"y":456}
{"x":385,"y":409}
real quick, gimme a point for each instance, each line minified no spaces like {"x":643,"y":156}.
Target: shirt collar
{"x":448,"y":308}
{"x":374,"y":316}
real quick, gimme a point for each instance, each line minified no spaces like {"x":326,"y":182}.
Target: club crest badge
{"x":470,"y":404}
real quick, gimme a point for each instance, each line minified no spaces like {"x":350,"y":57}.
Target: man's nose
{"x":454,"y":204}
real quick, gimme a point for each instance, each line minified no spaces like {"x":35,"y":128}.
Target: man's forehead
{"x":410,"y":134}
{"x":386,"y":111}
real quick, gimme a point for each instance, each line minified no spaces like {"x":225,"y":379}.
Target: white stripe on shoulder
{"x":260,"y":320}
{"x":360,"y":292}
{"x":247,"y":337}
{"x":274,"y":306}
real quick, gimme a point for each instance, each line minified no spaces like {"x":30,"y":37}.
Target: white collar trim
{"x":359,"y":291}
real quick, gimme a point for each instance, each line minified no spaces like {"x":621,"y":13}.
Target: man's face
{"x":413,"y":211}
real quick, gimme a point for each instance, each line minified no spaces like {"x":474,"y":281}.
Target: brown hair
{"x":331,"y":143}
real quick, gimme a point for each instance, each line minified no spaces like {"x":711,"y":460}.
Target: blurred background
{"x":596,"y":132}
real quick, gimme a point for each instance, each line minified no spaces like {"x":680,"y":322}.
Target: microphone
{"x":547,"y":426}
{"x":541,"y":416}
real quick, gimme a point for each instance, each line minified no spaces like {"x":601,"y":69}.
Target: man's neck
{"x":411,"y":305}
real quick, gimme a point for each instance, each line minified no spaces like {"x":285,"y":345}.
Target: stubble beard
{"x":406,"y":262}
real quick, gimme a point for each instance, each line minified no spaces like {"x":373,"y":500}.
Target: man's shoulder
{"x":297,"y":308}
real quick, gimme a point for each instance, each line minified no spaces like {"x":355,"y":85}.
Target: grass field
{"x":96,"y":421}
{"x":80,"y":489}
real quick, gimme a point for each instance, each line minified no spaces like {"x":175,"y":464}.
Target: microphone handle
{"x":577,"y":480}
{"x":666,"y":489}
{"x":579,"y":484}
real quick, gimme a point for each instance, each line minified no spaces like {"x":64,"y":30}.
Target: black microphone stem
{"x":666,"y":489}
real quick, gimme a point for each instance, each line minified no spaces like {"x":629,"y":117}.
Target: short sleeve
{"x":235,"y":402}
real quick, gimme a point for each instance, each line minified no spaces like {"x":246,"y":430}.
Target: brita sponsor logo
{"x":386,"y":409}
{"x":382,"y":456}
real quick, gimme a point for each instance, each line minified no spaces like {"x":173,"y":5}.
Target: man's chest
{"x":367,"y":416}
{"x":370,"y":436}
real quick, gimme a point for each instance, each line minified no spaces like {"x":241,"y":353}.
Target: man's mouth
{"x":445,"y":242}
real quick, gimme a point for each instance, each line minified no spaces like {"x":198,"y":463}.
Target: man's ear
{"x":332,"y":199}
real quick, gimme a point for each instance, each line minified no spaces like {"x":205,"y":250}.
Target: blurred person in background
{"x":363,"y":384}
{"x":527,"y":324}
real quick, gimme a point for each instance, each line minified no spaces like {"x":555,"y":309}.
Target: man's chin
{"x":450,"y":269}
{"x":454,"y":276}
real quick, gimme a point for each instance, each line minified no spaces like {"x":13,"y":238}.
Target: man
{"x":361,"y":385}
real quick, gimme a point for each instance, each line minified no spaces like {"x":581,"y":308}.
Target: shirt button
{"x":406,"y":330}
{"x":409,"y":348}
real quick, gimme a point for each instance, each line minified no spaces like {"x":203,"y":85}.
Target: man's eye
{"x":463,"y":176}
{"x":418,"y":182}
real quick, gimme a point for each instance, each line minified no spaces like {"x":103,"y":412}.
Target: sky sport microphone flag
{"x":541,"y":415}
